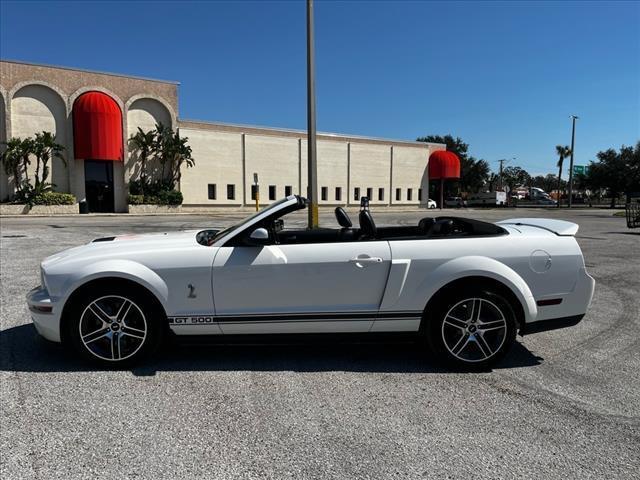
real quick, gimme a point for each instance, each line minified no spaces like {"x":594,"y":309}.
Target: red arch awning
{"x":443,"y":165}
{"x":97,"y":127}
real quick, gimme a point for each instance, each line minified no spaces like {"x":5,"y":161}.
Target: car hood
{"x":123,"y":244}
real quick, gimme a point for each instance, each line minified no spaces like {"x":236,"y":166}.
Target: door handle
{"x":362,"y":261}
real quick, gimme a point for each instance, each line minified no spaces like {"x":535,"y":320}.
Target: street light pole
{"x":573,"y":138}
{"x":312,"y":161}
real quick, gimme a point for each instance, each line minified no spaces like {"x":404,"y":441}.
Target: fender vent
{"x":104,"y":239}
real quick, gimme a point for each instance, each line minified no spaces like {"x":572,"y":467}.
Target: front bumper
{"x":45,"y":313}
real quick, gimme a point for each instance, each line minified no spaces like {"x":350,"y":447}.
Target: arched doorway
{"x":97,"y":133}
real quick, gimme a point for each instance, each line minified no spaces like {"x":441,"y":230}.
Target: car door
{"x":323,"y":287}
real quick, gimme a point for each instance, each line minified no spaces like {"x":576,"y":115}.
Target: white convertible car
{"x":463,"y":287}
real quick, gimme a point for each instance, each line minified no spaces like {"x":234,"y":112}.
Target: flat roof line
{"x":99,"y":72}
{"x":293,"y":130}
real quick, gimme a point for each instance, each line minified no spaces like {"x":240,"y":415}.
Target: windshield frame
{"x":230,"y":232}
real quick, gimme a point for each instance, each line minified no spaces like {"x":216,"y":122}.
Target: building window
{"x":212,"y":191}
{"x":356,"y":193}
{"x":381,"y":194}
{"x":324,"y":193}
{"x":398,"y":194}
{"x":287,"y":190}
{"x":409,"y":194}
{"x":231,"y":192}
{"x":370,"y":193}
{"x":419,"y":194}
{"x":272,"y":192}
{"x":338,"y":194}
{"x":254,"y":191}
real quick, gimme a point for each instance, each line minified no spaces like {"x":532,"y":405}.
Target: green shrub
{"x":53,"y":198}
{"x":163,"y":197}
{"x":136,"y":199}
{"x":170,"y":197}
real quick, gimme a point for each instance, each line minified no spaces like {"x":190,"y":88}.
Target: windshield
{"x":250,"y":218}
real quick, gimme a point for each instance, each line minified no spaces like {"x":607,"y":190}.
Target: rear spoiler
{"x":559,"y":227}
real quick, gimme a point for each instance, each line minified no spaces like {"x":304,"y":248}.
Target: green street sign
{"x":580,"y":169}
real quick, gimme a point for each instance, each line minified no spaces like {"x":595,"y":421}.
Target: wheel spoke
{"x":98,"y":312}
{"x":484,"y":346}
{"x":492,"y":325}
{"x":133,"y":332}
{"x":477,"y":309}
{"x":123,"y":311}
{"x":115,"y":346}
{"x":461,"y":344}
{"x":455,"y":322}
{"x":95,"y":335}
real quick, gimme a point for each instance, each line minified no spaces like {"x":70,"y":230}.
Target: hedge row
{"x":53,"y":198}
{"x":166,"y":197}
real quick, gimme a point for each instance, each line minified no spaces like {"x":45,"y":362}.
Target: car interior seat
{"x":343,"y":219}
{"x":425,"y":225}
{"x":367,"y":225}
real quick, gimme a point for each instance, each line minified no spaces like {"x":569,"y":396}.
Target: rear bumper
{"x":551,"y":324}
{"x":45,"y":313}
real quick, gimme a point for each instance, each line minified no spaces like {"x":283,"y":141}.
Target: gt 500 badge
{"x":191,"y":320}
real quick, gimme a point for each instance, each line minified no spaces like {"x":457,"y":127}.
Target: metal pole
{"x":312,"y":167}
{"x":573,"y":138}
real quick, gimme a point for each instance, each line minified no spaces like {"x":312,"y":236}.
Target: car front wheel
{"x":114,"y":327}
{"x":472,"y":329}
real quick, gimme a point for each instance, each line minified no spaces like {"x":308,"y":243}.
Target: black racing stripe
{"x":288,"y":317}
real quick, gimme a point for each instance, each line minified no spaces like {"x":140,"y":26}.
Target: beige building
{"x":34,"y":98}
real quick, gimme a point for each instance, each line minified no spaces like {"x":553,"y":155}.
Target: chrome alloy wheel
{"x":113,"y":328}
{"x":474,"y":330}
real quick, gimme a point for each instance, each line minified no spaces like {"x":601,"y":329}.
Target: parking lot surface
{"x":563,"y":404}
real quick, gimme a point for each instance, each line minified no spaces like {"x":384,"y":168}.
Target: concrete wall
{"x":370,"y":168}
{"x":218,"y":157}
{"x":276,"y":161}
{"x":409,"y":172}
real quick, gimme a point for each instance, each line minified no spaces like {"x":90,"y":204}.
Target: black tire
{"x":92,"y":327}
{"x":465,"y":337}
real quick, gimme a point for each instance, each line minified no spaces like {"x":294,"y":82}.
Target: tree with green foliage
{"x":18,"y":156}
{"x":618,"y":172}
{"x":142,"y":145}
{"x":514,"y":176}
{"x":562,"y":152}
{"x":474,"y":173}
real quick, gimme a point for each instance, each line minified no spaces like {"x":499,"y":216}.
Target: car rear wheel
{"x":472,"y":329}
{"x":115,"y":327}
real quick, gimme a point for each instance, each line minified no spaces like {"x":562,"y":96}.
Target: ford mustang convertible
{"x":463,"y":288}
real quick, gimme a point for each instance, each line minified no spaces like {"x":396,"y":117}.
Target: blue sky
{"x":504,"y":76}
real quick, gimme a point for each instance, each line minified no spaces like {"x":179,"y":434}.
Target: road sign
{"x":580,"y":169}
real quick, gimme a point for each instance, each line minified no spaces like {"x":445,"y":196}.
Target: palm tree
{"x":180,"y":154}
{"x":563,"y":152}
{"x":45,"y":149}
{"x":16,"y":161}
{"x":143,"y":143}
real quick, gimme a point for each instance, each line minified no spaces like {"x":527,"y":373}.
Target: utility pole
{"x":312,"y":161}
{"x":501,"y":163}
{"x":573,"y":138}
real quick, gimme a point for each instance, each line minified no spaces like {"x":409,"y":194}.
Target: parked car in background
{"x":487,"y":199}
{"x":454,"y":202}
{"x":431,"y":203}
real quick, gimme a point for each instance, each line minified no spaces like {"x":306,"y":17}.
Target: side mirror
{"x":260,"y":236}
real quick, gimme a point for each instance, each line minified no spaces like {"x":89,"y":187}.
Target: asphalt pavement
{"x":563,"y":404}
